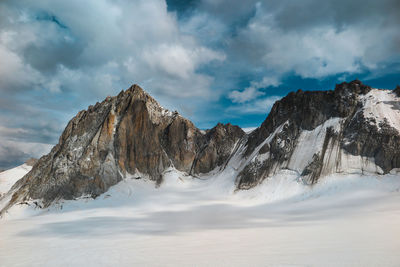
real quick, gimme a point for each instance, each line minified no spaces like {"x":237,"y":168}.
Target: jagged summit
{"x":126,"y":135}
{"x":397,"y":90}
{"x":136,"y":92}
{"x":353,"y":87}
{"x":353,"y":128}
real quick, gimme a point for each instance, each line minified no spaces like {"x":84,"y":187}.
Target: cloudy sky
{"x":212,"y":60}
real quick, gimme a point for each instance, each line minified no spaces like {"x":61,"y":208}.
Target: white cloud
{"x":140,"y":38}
{"x":258,"y":106}
{"x":64,"y":55}
{"x":14,"y":73}
{"x":247,"y":94}
{"x":177,"y":60}
{"x":9,"y":132}
{"x":315,"y":53}
{"x":253,"y":91}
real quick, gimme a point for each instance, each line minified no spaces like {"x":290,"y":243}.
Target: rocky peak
{"x":397,"y":90}
{"x":126,"y":135}
{"x":31,"y":161}
{"x":137,"y":93}
{"x":308,"y":109}
{"x":338,"y":120}
{"x":355,"y":87}
{"x":220,"y":141}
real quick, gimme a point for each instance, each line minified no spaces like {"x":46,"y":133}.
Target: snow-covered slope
{"x":9,"y":177}
{"x":382,"y":105}
{"x":344,"y":220}
{"x":353,"y":129}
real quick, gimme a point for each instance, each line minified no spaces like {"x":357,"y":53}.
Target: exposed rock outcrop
{"x":31,"y":161}
{"x":397,"y":90}
{"x":218,"y":147}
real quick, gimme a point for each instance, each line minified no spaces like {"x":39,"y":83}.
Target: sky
{"x":211,"y":60}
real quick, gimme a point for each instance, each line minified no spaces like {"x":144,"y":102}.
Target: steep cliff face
{"x":397,"y":90}
{"x":130,"y":134}
{"x":353,"y":128}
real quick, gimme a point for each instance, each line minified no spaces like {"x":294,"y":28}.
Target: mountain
{"x":351,"y":129}
{"x":129,"y":134}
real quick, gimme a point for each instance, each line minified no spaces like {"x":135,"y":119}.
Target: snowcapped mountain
{"x":352,"y":129}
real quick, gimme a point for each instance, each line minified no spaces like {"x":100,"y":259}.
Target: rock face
{"x":353,"y":128}
{"x":130,"y":134}
{"x":31,"y":161}
{"x":397,"y":90}
{"x":318,"y":133}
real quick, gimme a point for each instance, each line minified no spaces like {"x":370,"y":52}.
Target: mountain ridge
{"x":304,"y":111}
{"x":313,"y":132}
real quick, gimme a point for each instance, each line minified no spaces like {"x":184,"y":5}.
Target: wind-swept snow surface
{"x":341,"y":221}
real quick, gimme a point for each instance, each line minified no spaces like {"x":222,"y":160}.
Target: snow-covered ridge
{"x":299,"y":135}
{"x":382,"y":106}
{"x":9,"y":177}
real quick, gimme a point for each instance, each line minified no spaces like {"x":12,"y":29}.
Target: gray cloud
{"x":15,"y":153}
{"x":315,"y":39}
{"x":62,"y":56}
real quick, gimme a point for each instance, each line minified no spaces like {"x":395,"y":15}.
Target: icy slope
{"x":9,"y":177}
{"x":343,"y":220}
{"x":382,"y":105}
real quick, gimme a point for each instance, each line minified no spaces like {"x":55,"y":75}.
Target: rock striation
{"x":353,"y":128}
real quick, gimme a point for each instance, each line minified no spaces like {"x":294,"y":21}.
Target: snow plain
{"x":347,"y":220}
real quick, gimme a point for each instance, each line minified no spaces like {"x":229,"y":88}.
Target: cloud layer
{"x":211,"y":60}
